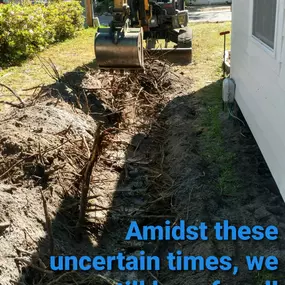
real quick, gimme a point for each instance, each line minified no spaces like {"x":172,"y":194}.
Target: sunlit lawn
{"x":66,"y":56}
{"x":73,"y":53}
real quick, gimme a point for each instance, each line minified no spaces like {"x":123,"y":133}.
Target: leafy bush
{"x":65,"y":18}
{"x":27,"y":29}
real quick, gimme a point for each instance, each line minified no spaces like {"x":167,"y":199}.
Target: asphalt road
{"x":203,"y":16}
{"x":211,"y":16}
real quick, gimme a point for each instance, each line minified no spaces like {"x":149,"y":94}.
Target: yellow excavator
{"x":138,"y":25}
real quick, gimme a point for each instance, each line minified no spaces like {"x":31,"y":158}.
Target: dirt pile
{"x":45,"y":145}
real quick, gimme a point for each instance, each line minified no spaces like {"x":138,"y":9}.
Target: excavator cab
{"x":121,"y":45}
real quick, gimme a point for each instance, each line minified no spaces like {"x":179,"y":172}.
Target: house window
{"x":264,"y":17}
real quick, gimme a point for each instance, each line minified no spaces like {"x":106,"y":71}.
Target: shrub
{"x":65,"y":18}
{"x":27,"y":29}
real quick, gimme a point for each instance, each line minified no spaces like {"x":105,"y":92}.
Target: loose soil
{"x":155,"y":164}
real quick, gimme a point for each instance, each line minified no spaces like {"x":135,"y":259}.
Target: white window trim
{"x":258,"y":48}
{"x":270,"y":50}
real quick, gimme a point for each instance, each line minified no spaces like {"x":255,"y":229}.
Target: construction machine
{"x":138,"y":25}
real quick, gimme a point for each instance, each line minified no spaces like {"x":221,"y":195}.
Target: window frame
{"x":257,"y":48}
{"x":275,"y":28}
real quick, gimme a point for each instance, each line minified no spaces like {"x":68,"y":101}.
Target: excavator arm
{"x":120,"y":46}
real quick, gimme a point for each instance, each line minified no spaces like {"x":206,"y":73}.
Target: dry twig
{"x":48,"y":225}
{"x":154,"y":278}
{"x":87,"y":175}
{"x":29,"y":263}
{"x":22,"y":104}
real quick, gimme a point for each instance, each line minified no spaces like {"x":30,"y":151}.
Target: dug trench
{"x":159,"y":159}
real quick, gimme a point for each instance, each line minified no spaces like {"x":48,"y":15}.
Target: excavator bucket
{"x":123,"y":52}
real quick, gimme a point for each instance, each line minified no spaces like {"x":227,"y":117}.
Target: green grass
{"x":66,"y":56}
{"x":206,"y":73}
{"x":208,"y":48}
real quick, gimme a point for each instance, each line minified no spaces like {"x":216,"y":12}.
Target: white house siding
{"x":260,"y":85}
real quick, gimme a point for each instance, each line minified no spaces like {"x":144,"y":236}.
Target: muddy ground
{"x":155,"y":164}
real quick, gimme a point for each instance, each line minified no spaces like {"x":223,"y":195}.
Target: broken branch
{"x":87,"y":175}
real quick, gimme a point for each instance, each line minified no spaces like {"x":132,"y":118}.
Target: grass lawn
{"x":66,"y":56}
{"x":207,"y":50}
{"x":206,"y":73}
